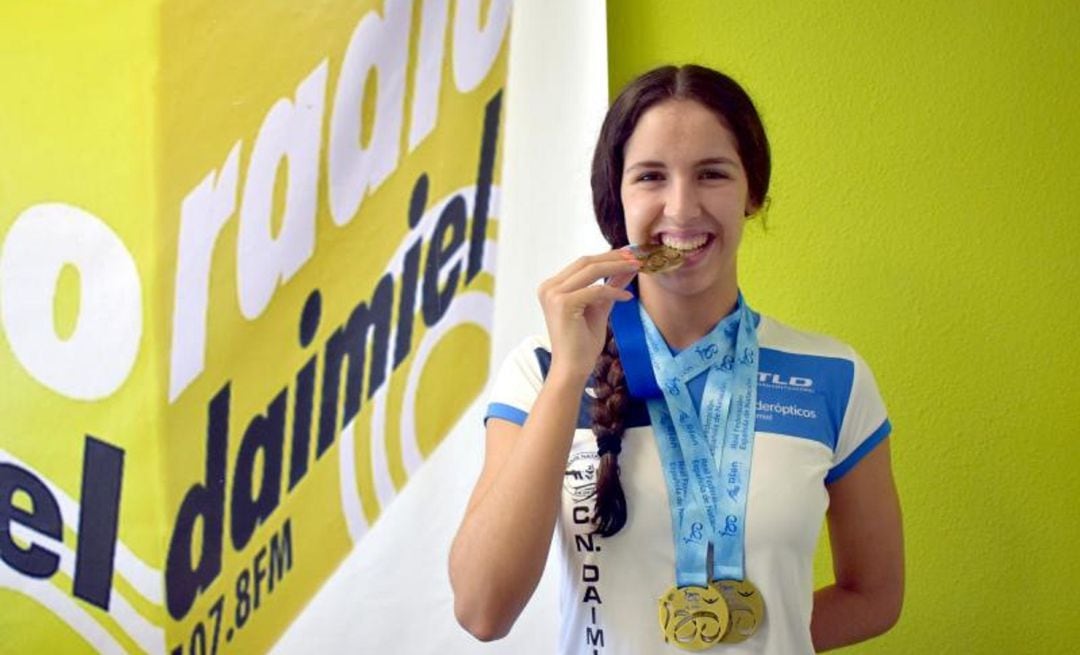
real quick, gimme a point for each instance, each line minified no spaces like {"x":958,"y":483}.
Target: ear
{"x":754,"y":209}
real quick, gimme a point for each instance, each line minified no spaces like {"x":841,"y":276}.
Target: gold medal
{"x":693,"y":618}
{"x":656,"y":258}
{"x":746,"y":608}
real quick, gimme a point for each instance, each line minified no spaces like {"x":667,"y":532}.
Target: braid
{"x":607,"y":424}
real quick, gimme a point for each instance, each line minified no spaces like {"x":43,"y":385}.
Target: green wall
{"x":925,"y":209}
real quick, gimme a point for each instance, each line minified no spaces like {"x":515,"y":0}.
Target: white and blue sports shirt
{"x":818,"y":414}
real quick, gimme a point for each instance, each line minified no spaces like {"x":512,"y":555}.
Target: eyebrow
{"x":701,"y":162}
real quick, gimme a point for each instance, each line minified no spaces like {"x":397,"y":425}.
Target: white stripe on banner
{"x":148,"y":636}
{"x":68,"y":609}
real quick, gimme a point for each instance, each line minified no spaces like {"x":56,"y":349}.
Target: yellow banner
{"x":245,"y":289}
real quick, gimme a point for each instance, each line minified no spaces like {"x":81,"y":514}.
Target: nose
{"x":683,"y":201}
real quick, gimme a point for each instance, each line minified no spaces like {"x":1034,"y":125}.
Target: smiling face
{"x":683,"y":185}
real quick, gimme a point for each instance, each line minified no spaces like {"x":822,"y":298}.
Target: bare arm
{"x":867,"y":543}
{"x":499,"y":552}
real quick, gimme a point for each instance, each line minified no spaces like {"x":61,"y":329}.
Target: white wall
{"x":392,"y":594}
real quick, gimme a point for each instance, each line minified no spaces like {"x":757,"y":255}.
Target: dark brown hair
{"x":733,"y":107}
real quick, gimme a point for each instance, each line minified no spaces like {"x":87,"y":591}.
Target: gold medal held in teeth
{"x":746,"y":608}
{"x":657,"y":258}
{"x":693,"y":618}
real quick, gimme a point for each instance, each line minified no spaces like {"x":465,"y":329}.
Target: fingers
{"x":588,"y":270}
{"x":576,"y":307}
{"x":620,"y":280}
{"x":600,"y":293}
{"x":574,"y":294}
{"x":583,"y":263}
{"x":574,"y":303}
{"x":587,"y":301}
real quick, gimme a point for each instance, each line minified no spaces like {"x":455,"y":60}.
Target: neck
{"x":683,"y":320}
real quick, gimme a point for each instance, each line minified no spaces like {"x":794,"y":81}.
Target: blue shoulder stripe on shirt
{"x":841,"y":469}
{"x":505,"y":412}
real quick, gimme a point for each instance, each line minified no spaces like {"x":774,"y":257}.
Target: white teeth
{"x":693,"y":243}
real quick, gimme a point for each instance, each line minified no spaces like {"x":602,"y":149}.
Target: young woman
{"x":684,"y":447}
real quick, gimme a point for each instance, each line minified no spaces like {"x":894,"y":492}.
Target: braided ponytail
{"x":607,"y":424}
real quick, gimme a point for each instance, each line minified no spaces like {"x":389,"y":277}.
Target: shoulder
{"x":803,"y":369}
{"x":782,"y":337}
{"x":798,"y":360}
{"x":518,"y":381}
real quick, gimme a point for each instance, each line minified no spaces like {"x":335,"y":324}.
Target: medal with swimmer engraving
{"x":746,"y":608}
{"x":693,"y":618}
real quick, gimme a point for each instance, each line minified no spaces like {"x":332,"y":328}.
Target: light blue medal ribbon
{"x":706,"y":454}
{"x":736,"y":443}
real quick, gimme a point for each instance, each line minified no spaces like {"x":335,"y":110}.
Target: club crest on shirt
{"x":579,"y":481}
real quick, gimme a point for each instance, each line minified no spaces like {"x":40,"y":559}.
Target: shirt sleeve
{"x":517,"y":384}
{"x":866,"y":422}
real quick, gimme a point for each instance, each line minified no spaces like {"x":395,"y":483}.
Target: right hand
{"x":576,"y":309}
